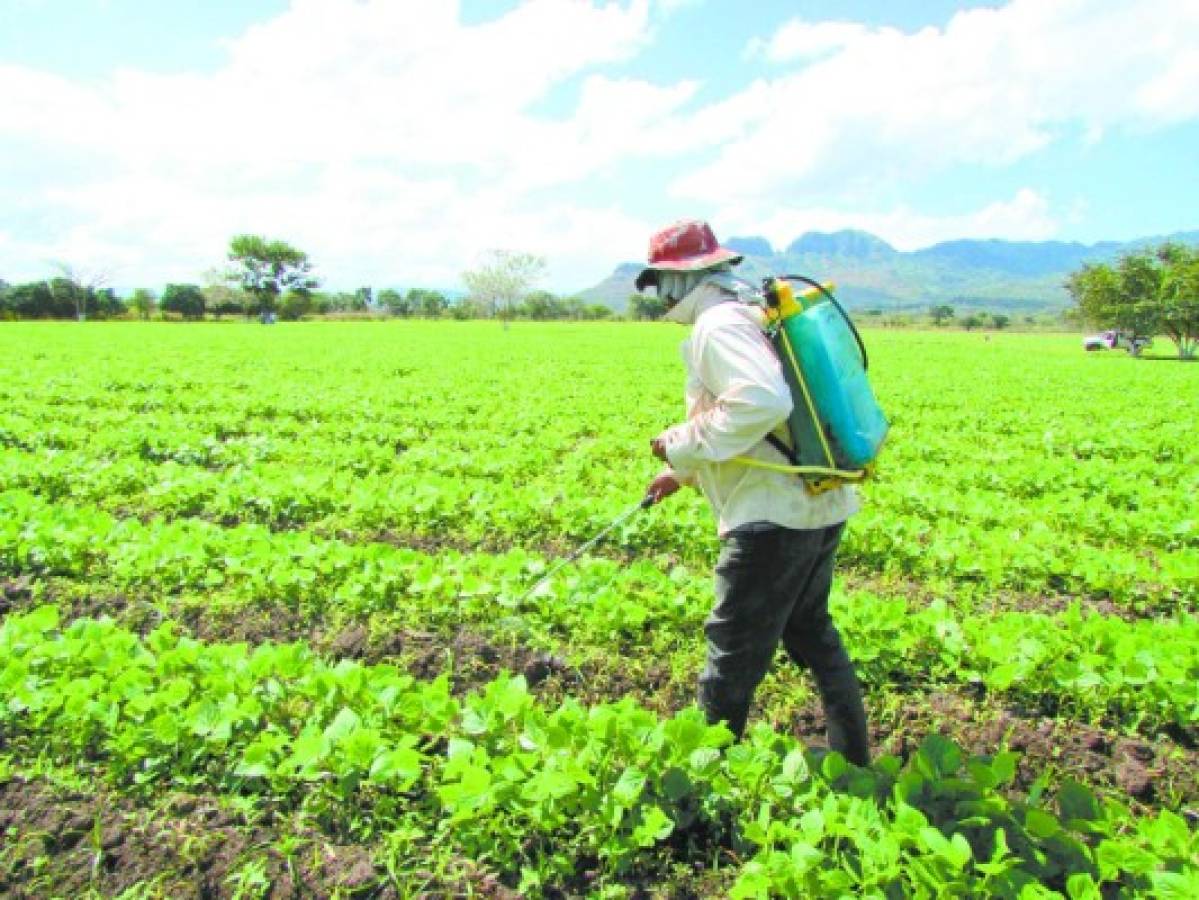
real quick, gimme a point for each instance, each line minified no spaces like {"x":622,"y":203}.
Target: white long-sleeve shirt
{"x":736,"y":394}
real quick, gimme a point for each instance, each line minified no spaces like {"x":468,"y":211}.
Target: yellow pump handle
{"x":789,"y":303}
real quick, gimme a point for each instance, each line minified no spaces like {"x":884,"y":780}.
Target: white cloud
{"x":992,"y":87}
{"x":394,"y":143}
{"x":388,"y":139}
{"x":802,"y":40}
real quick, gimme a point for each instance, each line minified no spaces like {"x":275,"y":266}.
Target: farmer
{"x":777,"y":539}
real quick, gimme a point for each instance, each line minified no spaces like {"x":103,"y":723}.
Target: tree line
{"x":270,"y":279}
{"x":1153,"y":291}
{"x":57,"y":298}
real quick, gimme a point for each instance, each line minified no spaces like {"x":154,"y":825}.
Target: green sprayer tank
{"x":836,"y":425}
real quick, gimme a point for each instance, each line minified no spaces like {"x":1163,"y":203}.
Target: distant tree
{"x":70,"y":298}
{"x":465,"y":308}
{"x":78,"y":286}
{"x":107,"y":304}
{"x":185,"y":299}
{"x":428,"y":303}
{"x":267,"y":269}
{"x":364,"y":298}
{"x":1000,"y":322}
{"x":34,"y":300}
{"x":335,"y":301}
{"x":1179,"y":300}
{"x":573,"y":307}
{"x":645,"y":306}
{"x":394,"y":302}
{"x":143,"y":301}
{"x":941,"y":313}
{"x":295,"y":305}
{"x":502,"y":279}
{"x":543,"y":305}
{"x":223,"y":295}
{"x":1148,"y":292}
{"x":973,"y":320}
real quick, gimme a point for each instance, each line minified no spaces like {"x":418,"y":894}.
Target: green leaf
{"x":549,"y":784}
{"x":401,"y":766}
{"x":833,"y":766}
{"x":343,"y":723}
{"x":655,"y":826}
{"x":1076,"y":802}
{"x":686,"y":731}
{"x":1041,"y":824}
{"x":42,"y":619}
{"x":795,"y":766}
{"x":940,"y":755}
{"x":705,"y":762}
{"x":958,"y":852}
{"x":1081,"y":886}
{"x":308,"y":752}
{"x":675,"y":784}
{"x":166,"y":729}
{"x":1116,"y":857}
{"x":361,"y":747}
{"x":1003,"y":766}
{"x":1175,"y":885}
{"x":258,"y":761}
{"x":469,"y":791}
{"x":629,"y":786}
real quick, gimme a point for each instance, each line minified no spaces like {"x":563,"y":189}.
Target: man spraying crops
{"x":778,"y":540}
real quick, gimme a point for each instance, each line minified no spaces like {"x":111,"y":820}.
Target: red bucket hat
{"x":686,"y":246}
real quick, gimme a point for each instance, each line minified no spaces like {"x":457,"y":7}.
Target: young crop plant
{"x":297,"y":594}
{"x":529,"y":790}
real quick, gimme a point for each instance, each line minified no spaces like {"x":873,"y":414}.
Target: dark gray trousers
{"x":772,"y":585}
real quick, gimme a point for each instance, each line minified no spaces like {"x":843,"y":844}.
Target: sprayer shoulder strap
{"x":771,"y":438}
{"x":774,"y":441}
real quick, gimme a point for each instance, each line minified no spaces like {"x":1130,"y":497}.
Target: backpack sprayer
{"x":836,"y":426}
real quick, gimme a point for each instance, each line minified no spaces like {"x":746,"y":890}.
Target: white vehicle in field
{"x":1113,"y":339}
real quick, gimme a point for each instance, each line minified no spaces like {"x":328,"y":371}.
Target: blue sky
{"x":398,"y":141}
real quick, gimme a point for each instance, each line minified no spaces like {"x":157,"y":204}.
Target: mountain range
{"x":1010,"y":276}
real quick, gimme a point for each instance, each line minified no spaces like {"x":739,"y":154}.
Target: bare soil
{"x":15,"y":593}
{"x":62,"y":842}
{"x":998,"y":600}
{"x":68,"y":843}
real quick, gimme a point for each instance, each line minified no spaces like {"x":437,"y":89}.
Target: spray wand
{"x":646,"y":502}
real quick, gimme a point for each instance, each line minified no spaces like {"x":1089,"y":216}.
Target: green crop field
{"x":265,"y":629}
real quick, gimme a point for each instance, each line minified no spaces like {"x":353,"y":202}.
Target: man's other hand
{"x":658,"y":447}
{"x":662,"y":487}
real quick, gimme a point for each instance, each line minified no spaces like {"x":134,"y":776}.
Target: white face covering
{"x":677,"y":288}
{"x":674,"y":286}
